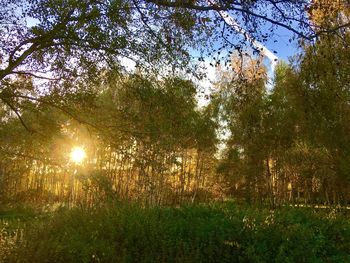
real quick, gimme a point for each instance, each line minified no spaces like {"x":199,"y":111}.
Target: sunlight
{"x":77,"y":154}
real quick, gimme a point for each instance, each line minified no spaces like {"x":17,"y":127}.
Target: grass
{"x":196,"y":233}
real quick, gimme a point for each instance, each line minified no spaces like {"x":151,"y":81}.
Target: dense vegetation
{"x":119,"y":81}
{"x":146,"y":140}
{"x":201,"y":233}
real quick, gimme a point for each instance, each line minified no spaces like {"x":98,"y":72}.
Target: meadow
{"x":216,"y":232}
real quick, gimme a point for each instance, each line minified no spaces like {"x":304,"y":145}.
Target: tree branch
{"x":186,"y":4}
{"x":34,"y":75}
{"x":215,"y":7}
{"x":17,"y":114}
{"x":332,"y":30}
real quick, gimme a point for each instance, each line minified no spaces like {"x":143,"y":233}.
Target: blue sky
{"x":284,"y":48}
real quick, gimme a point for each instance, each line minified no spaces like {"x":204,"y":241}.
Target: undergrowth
{"x":196,"y":233}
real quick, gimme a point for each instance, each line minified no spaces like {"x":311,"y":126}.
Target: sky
{"x":284,"y":48}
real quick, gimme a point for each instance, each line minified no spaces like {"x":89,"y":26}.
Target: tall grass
{"x":197,"y":233}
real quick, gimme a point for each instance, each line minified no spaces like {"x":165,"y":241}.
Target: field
{"x":215,"y":232}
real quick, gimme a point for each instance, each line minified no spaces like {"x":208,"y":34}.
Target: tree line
{"x":62,"y":84}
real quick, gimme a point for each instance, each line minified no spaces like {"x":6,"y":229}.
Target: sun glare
{"x":77,"y":154}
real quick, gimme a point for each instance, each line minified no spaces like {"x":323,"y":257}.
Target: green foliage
{"x":296,"y":135}
{"x":201,"y":233}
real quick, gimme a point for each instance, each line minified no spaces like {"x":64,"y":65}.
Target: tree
{"x":325,"y":95}
{"x":240,"y":102}
{"x":63,"y":44}
{"x":72,"y":38}
{"x":58,"y":47}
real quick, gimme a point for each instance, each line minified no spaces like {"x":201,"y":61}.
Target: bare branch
{"x":34,"y":75}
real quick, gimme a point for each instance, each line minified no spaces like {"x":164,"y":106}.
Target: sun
{"x":77,"y":154}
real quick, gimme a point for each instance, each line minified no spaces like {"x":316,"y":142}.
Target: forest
{"x":116,"y":144}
